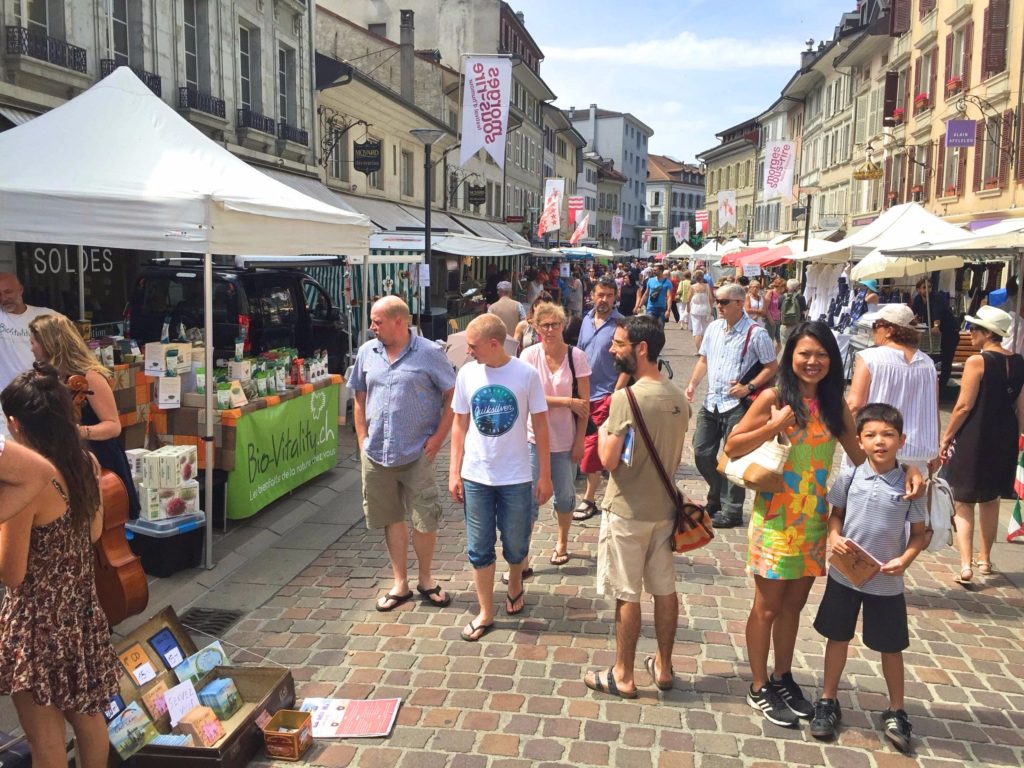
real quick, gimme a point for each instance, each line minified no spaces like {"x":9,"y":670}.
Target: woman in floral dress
{"x":56,"y":661}
{"x":788,"y":530}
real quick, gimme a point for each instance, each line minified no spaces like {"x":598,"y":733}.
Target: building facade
{"x":621,"y":138}
{"x":730,"y":167}
{"x":674,"y":191}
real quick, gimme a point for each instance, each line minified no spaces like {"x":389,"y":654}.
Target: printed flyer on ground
{"x":351,"y":718}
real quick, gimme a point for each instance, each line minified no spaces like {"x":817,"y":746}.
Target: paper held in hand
{"x":857,"y":564}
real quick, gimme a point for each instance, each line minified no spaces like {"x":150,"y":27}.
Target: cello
{"x":120,"y":581}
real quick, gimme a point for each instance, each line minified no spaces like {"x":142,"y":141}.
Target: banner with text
{"x":616,"y":227}
{"x":551,"y":218}
{"x":580,"y":231}
{"x":960,"y":133}
{"x":279,"y":448}
{"x":575,"y":208}
{"x":726,"y":208}
{"x":485,"y":99}
{"x":779,"y":163}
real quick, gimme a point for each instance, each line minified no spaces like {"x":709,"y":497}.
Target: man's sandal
{"x":586,"y":510}
{"x":608,"y":685}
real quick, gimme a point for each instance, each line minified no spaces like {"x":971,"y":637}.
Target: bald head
{"x":389,"y":321}
{"x":392,"y":307}
{"x":11,"y":294}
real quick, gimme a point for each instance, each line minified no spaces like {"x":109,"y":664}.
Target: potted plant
{"x":950,"y":190}
{"x":921,"y":101}
{"x":992,"y":182}
{"x":897,"y":115}
{"x":954,"y":85}
{"x":916,"y":189}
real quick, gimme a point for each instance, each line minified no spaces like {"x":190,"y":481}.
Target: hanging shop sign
{"x":366,"y":156}
{"x":476,"y":195}
{"x":514,"y":219}
{"x":960,"y":133}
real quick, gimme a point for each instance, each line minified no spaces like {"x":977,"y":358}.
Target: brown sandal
{"x":985,"y":569}
{"x":965,"y":576}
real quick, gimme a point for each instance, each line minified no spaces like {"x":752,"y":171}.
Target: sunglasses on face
{"x":723,"y":302}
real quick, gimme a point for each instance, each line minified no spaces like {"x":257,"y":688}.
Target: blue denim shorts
{"x":563,"y":480}
{"x":493,"y":509}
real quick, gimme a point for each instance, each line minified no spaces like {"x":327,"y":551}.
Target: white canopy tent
{"x":118,"y":167}
{"x":682,"y":251}
{"x":1006,"y":238}
{"x":901,"y":225}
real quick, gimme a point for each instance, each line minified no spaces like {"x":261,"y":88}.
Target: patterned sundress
{"x":788,"y":530}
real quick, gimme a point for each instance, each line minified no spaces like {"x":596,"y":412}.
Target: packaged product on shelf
{"x":281,"y":379}
{"x":222,"y":697}
{"x":202,"y":725}
{"x":161,"y":503}
{"x":261,"y":384}
{"x":223,"y":396}
{"x":135,"y":457}
{"x":240,"y":370}
{"x":237,"y":395}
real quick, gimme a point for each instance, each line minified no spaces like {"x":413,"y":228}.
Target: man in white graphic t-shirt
{"x":490,"y":462}
{"x":15,"y":315}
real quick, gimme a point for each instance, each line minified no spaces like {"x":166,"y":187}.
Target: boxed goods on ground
{"x":161,"y":503}
{"x":288,"y":735}
{"x":169,"y":466}
{"x":168,"y":546}
{"x":161,"y":643}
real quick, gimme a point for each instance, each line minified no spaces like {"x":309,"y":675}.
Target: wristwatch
{"x":751,"y":388}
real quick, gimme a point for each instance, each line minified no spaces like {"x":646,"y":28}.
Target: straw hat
{"x":992,"y":319}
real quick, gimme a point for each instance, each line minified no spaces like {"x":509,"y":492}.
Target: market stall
{"x":149,"y":180}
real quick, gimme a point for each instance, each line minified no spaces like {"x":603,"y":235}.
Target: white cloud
{"x":685,"y":51}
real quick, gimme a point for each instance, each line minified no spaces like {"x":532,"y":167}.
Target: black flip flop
{"x":527,"y":574}
{"x":397,"y":600}
{"x":584,"y":511}
{"x":559,"y":558}
{"x":511,"y":601}
{"x":483,"y":629}
{"x":611,"y":687}
{"x":427,"y":594}
{"x":649,"y":666}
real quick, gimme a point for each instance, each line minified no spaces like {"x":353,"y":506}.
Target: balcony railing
{"x":247,"y":118}
{"x":28,"y":42}
{"x":191,"y":98}
{"x":151,"y":80}
{"x":292,"y":134}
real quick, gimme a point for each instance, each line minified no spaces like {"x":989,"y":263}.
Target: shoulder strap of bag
{"x":746,"y":343}
{"x":641,"y":425}
{"x":572,"y":370}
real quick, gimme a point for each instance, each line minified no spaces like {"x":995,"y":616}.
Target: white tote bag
{"x":939,"y":519}
{"x":761,"y":469}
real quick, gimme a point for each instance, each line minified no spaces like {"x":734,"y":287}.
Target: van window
{"x":276,"y":305}
{"x":168,"y":295}
{"x":318,"y":303}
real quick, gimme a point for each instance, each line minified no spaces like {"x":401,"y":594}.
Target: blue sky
{"x":686,"y":68}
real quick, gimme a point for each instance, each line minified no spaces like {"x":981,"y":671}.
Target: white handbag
{"x":761,"y":469}
{"x":940,"y":517}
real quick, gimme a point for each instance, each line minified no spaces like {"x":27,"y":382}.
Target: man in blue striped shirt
{"x":731,"y":346}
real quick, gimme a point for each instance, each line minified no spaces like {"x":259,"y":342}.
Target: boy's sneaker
{"x":826,"y":717}
{"x":897,"y":728}
{"x":771,"y":705}
{"x":790,"y":693}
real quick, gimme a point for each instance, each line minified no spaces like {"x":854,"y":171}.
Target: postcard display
{"x":219,"y":710}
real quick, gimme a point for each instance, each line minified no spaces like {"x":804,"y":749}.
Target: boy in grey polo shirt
{"x":870,"y":509}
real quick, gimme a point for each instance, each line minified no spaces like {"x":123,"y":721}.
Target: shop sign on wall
{"x":366,"y":156}
{"x":279,"y":448}
{"x":64,"y":259}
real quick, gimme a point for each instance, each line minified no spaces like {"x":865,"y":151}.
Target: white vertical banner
{"x":726,"y":208}
{"x":485,"y":99}
{"x":779,"y":163}
{"x":616,"y":227}
{"x":580,"y":231}
{"x":551,"y":217}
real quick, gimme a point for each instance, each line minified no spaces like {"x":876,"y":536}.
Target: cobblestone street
{"x":517,"y":698}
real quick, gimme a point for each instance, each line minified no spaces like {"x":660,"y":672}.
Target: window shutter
{"x":949,"y":62}
{"x":927,"y":6}
{"x":968,"y":50}
{"x":888,"y":183}
{"x":940,"y":168}
{"x":1005,"y":142}
{"x":961,"y":174}
{"x":926,"y":177}
{"x":979,"y":153}
{"x":909,"y":194}
{"x":899,"y":21}
{"x":917,"y":79}
{"x":933,"y":86}
{"x":997,"y":15}
{"x":1020,"y":151}
{"x":986,"y":30}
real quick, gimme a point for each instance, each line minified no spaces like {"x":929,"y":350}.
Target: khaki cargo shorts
{"x":391,"y":494}
{"x":633,"y":557}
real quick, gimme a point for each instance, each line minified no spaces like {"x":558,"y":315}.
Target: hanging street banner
{"x":779,"y":163}
{"x":366,"y":156}
{"x":485,"y":99}
{"x":684,"y":231}
{"x":677,"y":233}
{"x":616,"y":227}
{"x":700,"y":220}
{"x":726,"y":208}
{"x":646,"y":237}
{"x":277,"y":449}
{"x":960,"y":133}
{"x":575,"y":207}
{"x":551,"y":218}
{"x":580,"y":231}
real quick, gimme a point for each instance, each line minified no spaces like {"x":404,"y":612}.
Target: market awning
{"x":308,"y":185}
{"x":482,"y":228}
{"x":511,"y":234}
{"x":734,"y":258}
{"x":385,"y":215}
{"x":468,"y":245}
{"x":16,"y":116}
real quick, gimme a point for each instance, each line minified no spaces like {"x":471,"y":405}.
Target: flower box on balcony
{"x":991,"y":183}
{"x":954,"y":85}
{"x":950,"y":190}
{"x":897,"y":115}
{"x":916,"y":189}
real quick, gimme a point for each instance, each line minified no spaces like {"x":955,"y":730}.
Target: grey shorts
{"x":390,"y":494}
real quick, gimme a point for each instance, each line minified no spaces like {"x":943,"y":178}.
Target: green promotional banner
{"x":279,"y":448}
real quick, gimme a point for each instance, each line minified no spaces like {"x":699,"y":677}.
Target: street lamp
{"x":428,"y":137}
